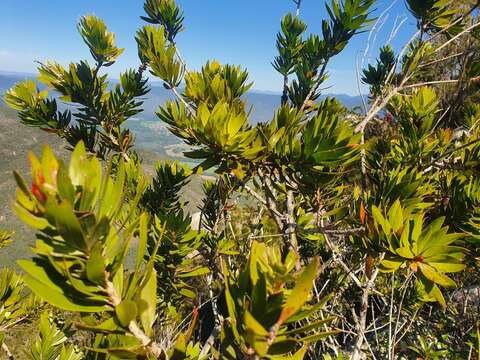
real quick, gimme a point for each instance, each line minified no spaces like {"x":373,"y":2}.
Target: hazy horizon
{"x":241,"y":33}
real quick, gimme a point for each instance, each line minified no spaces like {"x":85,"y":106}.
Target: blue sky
{"x":232,"y":31}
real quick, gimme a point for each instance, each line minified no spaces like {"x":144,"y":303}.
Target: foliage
{"x":99,"y":109}
{"x":5,"y":238}
{"x":317,"y":220}
{"x":50,"y":344}
{"x":425,"y":250}
{"x":85,"y":232}
{"x":14,"y":302}
{"x":260,"y":297}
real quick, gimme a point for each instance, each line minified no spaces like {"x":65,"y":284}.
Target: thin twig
{"x":211,"y":339}
{"x":260,"y":199}
{"x":315,"y":86}
{"x":399,"y":311}
{"x":7,"y":351}
{"x":184,"y":102}
{"x":362,"y":321}
{"x":298,"y":3}
{"x":270,"y":196}
{"x":218,"y":320}
{"x":380,"y":103}
{"x":412,"y":320}
{"x":440,"y":60}
{"x":450,"y":152}
{"x":465,"y":31}
{"x":375,"y":29}
{"x":427,"y":83}
{"x":390,"y":314}
{"x":291,"y":234}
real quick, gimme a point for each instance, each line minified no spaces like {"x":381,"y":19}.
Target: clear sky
{"x":231,"y":31}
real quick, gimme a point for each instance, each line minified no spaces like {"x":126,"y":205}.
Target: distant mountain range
{"x":264,"y":103}
{"x":152,"y":135}
{"x":153,"y":140}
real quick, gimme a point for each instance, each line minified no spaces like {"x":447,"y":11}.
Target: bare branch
{"x":298,"y":3}
{"x":7,"y":351}
{"x":460,"y":34}
{"x":362,"y":321}
{"x":259,"y":198}
{"x":291,"y":234}
{"x":184,"y":102}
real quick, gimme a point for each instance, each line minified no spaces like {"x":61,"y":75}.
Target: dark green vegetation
{"x":326,"y":233}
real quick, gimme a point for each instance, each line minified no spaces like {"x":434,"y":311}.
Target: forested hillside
{"x":322,"y":232}
{"x":17,"y":140}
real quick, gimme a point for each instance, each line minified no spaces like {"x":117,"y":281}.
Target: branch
{"x":342,"y":263}
{"x":379,"y":103}
{"x":270,"y":198}
{"x":7,"y":351}
{"x":211,"y":339}
{"x":180,"y":97}
{"x":467,"y":30}
{"x":440,"y":60}
{"x":217,"y":317}
{"x":437,"y":82}
{"x":315,"y":87}
{"x":396,"y":331}
{"x":377,"y":106}
{"x":291,"y":234}
{"x":328,"y":230}
{"x":299,"y":4}
{"x":444,"y":155}
{"x":362,"y":321}
{"x":180,"y":58}
{"x":253,"y":193}
{"x":255,"y":222}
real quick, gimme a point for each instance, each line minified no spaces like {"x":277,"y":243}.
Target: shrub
{"x":367,"y":222}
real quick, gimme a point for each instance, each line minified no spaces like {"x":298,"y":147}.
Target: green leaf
{"x":430,"y":291}
{"x":283,"y":346}
{"x":311,"y":326}
{"x":319,"y":336}
{"x":100,"y":41}
{"x":256,"y":252}
{"x":259,"y":296}
{"x":126,"y":312}
{"x":197,"y":272}
{"x":66,"y":223}
{"x":188,"y":293}
{"x":405,"y":252}
{"x":299,"y":355}
{"x":310,"y":310}
{"x":301,"y":292}
{"x":95,"y":266}
{"x":109,"y":325}
{"x":395,"y":216}
{"x":230,"y":303}
{"x":142,"y":241}
{"x":445,"y":267}
{"x":28,"y":218}
{"x":58,"y":299}
{"x":147,"y":304}
{"x":390,"y":265}
{"x":379,"y":219}
{"x":252,"y":324}
{"x":435,"y":276}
